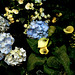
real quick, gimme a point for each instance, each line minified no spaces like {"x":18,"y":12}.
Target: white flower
{"x":15,"y":11}
{"x":41,"y":10}
{"x":42,"y":14}
{"x":37,"y":1}
{"x":29,"y":6}
{"x":16,"y":56}
{"x":20,"y":1}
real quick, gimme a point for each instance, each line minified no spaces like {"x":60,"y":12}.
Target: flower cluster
{"x":6,"y":41}
{"x":1,"y":56}
{"x":39,"y":14}
{"x":9,"y":14}
{"x":16,"y":56}
{"x":29,"y":6}
{"x":4,"y":24}
{"x":38,"y":29}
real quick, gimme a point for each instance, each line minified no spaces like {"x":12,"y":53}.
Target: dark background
{"x":67,"y":7}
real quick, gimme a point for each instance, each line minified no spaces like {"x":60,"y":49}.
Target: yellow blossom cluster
{"x":9,"y":14}
{"x":26,"y":26}
{"x":40,"y":14}
{"x":57,"y":15}
{"x":72,"y":43}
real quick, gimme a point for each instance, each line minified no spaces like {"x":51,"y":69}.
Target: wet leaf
{"x":34,"y":61}
{"x":33,"y":43}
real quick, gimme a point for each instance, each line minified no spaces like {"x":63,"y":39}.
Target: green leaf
{"x":33,"y":43}
{"x":53,"y":62}
{"x":22,"y":20}
{"x":22,"y":71}
{"x":71,"y":52}
{"x":49,"y":71}
{"x":34,"y":61}
{"x":63,"y":48}
{"x":49,"y":43}
{"x":2,"y":63}
{"x":63,"y":58}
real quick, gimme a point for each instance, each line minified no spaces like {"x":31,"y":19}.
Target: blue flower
{"x":38,"y":29}
{"x":1,"y":56}
{"x":30,"y":32}
{"x":4,"y":24}
{"x":6,"y":41}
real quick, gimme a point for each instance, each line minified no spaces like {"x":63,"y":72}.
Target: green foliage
{"x":35,"y":60}
{"x":22,"y":71}
{"x":53,"y":62}
{"x":63,"y":58}
{"x":49,"y":71}
{"x":33,"y":43}
{"x":22,"y":20}
{"x":71,"y":52}
{"x":2,"y":63}
{"x":49,"y":43}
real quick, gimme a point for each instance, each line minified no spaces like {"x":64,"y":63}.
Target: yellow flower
{"x":17,"y":20}
{"x":68,"y":29}
{"x":11,"y":21}
{"x":47,"y":21}
{"x":15,"y":11}
{"x":20,"y":1}
{"x":43,"y":42}
{"x":45,"y":16}
{"x":10,"y":15}
{"x":27,"y":6}
{"x":7,"y":10}
{"x":41,"y":10}
{"x":25,"y":25}
{"x":59,"y":15}
{"x":44,"y":50}
{"x":41,"y":3}
{"x":48,"y":15}
{"x":36,"y":12}
{"x":42,"y":14}
{"x":54,"y":20}
{"x":39,"y":17}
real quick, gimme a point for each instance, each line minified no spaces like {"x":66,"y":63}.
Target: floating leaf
{"x":34,"y":61}
{"x":71,"y":52}
{"x":63,"y":58}
{"x":33,"y":43}
{"x":53,"y":62}
{"x":49,"y":71}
